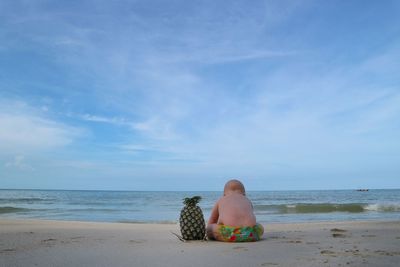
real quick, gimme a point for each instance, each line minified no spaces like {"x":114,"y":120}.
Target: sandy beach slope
{"x":57,"y":243}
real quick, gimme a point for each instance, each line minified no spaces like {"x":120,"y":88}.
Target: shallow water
{"x":164,"y":207}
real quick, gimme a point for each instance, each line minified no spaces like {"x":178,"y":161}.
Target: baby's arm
{"x":214,"y":214}
{"x":212,"y":227}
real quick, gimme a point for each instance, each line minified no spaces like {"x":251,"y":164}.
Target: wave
{"x":11,"y":210}
{"x":25,"y":200}
{"x":383,"y":207}
{"x":325,"y":208}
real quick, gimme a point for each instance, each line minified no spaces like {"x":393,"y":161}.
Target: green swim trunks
{"x":240,"y":234}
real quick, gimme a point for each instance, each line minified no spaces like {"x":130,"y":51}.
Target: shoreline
{"x":31,"y":242}
{"x":16,"y":219}
{"x":176,"y":222}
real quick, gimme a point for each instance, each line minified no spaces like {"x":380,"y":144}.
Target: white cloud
{"x":24,"y":129}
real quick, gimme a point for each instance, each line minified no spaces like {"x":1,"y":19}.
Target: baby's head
{"x":234,"y":186}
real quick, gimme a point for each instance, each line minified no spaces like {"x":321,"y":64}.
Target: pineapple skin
{"x":192,"y":223}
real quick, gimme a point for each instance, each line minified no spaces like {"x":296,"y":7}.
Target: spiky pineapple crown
{"x":191,"y":201}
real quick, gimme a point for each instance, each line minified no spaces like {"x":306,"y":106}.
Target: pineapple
{"x":191,"y":220}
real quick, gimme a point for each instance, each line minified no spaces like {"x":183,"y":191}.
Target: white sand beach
{"x":61,"y":243}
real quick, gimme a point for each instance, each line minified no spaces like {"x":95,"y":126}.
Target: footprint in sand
{"x":77,"y":237}
{"x":48,"y":240}
{"x":242,"y":248}
{"x":328,"y":253}
{"x":8,"y":250}
{"x":338,"y":235}
{"x":294,"y":241}
{"x":336,"y":232}
{"x":277,"y":237}
{"x":387,"y":253}
{"x":312,"y":243}
{"x":137,"y":241}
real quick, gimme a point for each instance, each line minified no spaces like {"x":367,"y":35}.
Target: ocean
{"x":164,"y":207}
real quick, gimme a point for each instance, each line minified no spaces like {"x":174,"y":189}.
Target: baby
{"x":232,"y":218}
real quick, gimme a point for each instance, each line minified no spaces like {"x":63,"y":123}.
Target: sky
{"x":184,"y":95}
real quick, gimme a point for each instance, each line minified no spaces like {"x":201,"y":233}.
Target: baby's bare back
{"x":236,"y":210}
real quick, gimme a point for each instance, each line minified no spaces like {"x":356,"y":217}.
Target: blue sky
{"x":183,"y":95}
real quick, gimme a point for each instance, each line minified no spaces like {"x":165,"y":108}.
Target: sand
{"x":58,"y":243}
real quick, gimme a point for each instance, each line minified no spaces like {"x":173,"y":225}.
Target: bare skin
{"x":233,"y":209}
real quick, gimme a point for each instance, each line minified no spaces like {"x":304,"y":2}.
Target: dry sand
{"x":57,"y":243}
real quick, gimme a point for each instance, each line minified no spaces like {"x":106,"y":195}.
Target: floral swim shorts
{"x":241,"y":233}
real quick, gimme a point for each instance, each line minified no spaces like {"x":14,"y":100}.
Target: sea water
{"x":164,"y":207}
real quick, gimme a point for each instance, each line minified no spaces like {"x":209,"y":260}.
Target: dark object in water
{"x":362,"y":190}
